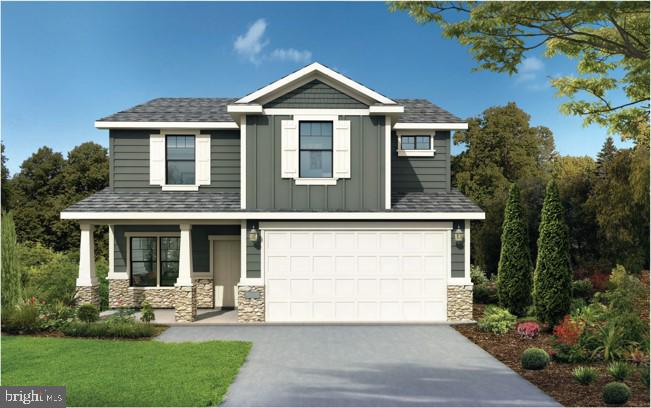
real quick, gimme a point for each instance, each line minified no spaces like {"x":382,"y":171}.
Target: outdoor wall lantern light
{"x":253,"y":235}
{"x":458,"y":235}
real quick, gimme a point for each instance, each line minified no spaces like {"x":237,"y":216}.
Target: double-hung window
{"x":154,"y":261}
{"x":315,"y":149}
{"x":180,"y":159}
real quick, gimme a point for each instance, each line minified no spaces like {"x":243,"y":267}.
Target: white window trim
{"x":157,"y":235}
{"x":182,"y":187}
{"x":315,"y":181}
{"x":416,"y":152}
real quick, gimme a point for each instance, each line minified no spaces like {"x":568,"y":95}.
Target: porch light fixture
{"x":253,"y":235}
{"x":458,"y":235}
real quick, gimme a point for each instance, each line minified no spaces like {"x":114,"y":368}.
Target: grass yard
{"x":125,"y":373}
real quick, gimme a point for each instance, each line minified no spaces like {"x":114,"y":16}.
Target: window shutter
{"x":203,"y":159}
{"x":157,"y":159}
{"x":341,"y":149}
{"x":289,"y":149}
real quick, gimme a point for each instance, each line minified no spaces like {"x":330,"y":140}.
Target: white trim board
{"x":310,"y":69}
{"x":164,"y":125}
{"x":432,"y":126}
{"x":101,"y":217}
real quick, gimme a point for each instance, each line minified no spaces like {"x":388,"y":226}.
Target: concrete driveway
{"x":341,"y":365}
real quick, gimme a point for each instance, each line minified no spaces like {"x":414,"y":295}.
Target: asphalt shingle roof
{"x":214,"y":110}
{"x":108,"y":200}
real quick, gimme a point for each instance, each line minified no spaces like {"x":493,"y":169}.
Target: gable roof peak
{"x":316,"y":67}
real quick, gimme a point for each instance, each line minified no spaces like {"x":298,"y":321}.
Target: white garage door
{"x":355,"y":275}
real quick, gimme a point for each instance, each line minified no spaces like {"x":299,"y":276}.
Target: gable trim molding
{"x":310,"y":69}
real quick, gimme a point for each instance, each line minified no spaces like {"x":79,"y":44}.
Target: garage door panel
{"x":300,"y":266}
{"x":367,"y":265}
{"x":356,"y":275}
{"x":322,"y":288}
{"x":367,"y":289}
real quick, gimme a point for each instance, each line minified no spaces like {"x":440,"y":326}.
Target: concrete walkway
{"x":391,"y":365}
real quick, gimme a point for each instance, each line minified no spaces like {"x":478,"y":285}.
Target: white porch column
{"x":87,"y":275}
{"x":185,"y":256}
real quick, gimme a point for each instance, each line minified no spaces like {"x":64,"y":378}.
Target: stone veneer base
{"x":121,"y":295}
{"x":185,"y":307}
{"x":87,"y":295}
{"x":250,"y":304}
{"x":459,"y":302}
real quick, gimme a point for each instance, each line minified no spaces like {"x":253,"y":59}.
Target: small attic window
{"x":416,"y":144}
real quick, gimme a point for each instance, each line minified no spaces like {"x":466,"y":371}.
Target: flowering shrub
{"x":599,"y":281}
{"x":528,"y":330}
{"x":568,"y":331}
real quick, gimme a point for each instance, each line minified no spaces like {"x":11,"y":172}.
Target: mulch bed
{"x":556,"y":380}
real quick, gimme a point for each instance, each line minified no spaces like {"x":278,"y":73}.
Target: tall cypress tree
{"x":11,"y":282}
{"x":552,"y":287}
{"x":605,"y":155}
{"x":514,"y":269}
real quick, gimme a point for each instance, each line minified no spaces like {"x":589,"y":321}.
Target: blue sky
{"x":64,"y":65}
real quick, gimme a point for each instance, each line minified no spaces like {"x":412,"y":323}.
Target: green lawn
{"x":125,"y":373}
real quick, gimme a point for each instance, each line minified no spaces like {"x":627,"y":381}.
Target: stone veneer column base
{"x":250,"y":304}
{"x":459,"y":302}
{"x":87,"y":295}
{"x":185,"y":307}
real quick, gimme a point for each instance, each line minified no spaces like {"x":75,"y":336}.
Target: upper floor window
{"x":415,"y":144}
{"x":315,"y":149}
{"x":180,"y":159}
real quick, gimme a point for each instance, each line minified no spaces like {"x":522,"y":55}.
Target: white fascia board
{"x":315,"y":67}
{"x":232,"y":215}
{"x":433,"y":126}
{"x":316,"y":112}
{"x":255,"y":108}
{"x":165,"y":125}
{"x":384,"y":109}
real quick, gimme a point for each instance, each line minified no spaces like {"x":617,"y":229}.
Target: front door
{"x":226,"y":267}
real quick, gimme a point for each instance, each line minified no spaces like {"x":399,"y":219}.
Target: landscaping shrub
{"x":616,"y":393}
{"x":88,"y":313}
{"x":582,"y":289}
{"x":619,"y":370}
{"x":552,"y":288}
{"x":599,"y":281}
{"x":477,"y":275}
{"x":23,"y":319}
{"x":528,"y":330}
{"x":56,"y":314}
{"x":514,"y":268}
{"x":567,"y":341}
{"x":609,"y":342}
{"x":584,"y":375}
{"x":109,"y":329}
{"x":534,"y":359}
{"x":484,"y":294}
{"x":644,"y":375}
{"x":11,"y":274}
{"x":497,"y":320}
{"x":577,"y":303}
{"x":146,"y":312}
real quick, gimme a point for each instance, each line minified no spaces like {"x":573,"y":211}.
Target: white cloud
{"x":250,"y":45}
{"x":531,"y":64}
{"x":291,"y":54}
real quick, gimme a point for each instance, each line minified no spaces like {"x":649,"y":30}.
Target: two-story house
{"x":312,"y":199}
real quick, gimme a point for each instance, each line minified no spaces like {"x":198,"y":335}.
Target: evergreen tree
{"x":552,"y":287}
{"x":514,"y":269}
{"x":11,"y":279}
{"x":606,"y":155}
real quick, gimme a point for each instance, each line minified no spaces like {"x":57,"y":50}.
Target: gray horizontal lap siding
{"x":265,"y":189}
{"x":129,"y":161}
{"x":315,"y":95}
{"x":200,"y":242}
{"x":425,"y":174}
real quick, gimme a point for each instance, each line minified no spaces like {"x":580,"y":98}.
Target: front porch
{"x":186,"y":272}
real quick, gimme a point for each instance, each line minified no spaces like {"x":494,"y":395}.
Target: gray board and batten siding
{"x":266,"y":189}
{"x":315,"y":95}
{"x":129,"y":160}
